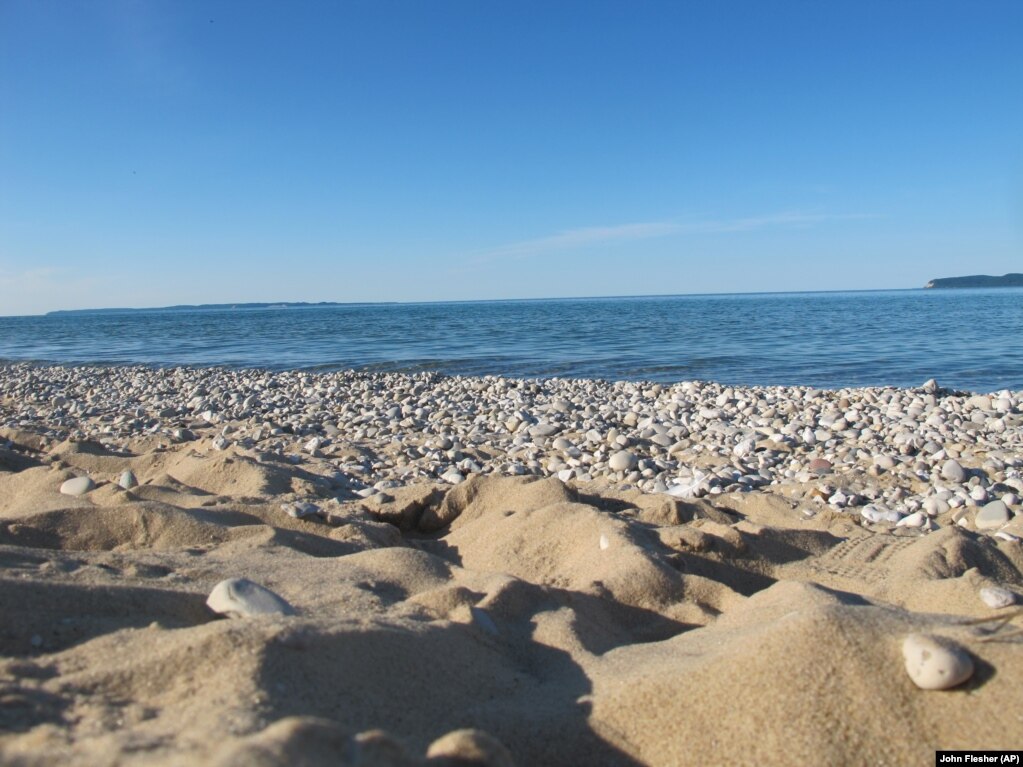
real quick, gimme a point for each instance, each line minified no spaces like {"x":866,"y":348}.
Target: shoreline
{"x":688,"y":439}
{"x":511,"y":571}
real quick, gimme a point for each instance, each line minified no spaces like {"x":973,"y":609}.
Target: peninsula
{"x":1011,"y":280}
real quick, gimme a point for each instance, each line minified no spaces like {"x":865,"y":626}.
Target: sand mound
{"x":499,"y":621}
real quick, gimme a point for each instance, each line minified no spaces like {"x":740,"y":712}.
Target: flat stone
{"x":935,"y":663}
{"x":469,"y":747}
{"x":992,"y":516}
{"x":916,"y":519}
{"x":885,"y":462}
{"x":77,"y":486}
{"x":241,"y":598}
{"x":482,"y":619}
{"x":300,"y":509}
{"x":877,"y":514}
{"x":996,"y":597}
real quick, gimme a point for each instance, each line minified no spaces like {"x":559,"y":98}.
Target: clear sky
{"x":163,"y":152}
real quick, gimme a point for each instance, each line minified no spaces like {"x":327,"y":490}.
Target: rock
{"x":996,"y":597}
{"x":916,"y":519}
{"x":453,"y":477}
{"x":885,"y":462}
{"x":930,"y":386}
{"x":220,"y":443}
{"x":469,"y":748}
{"x":953,"y":471}
{"x":604,"y":543}
{"x":935,"y":663}
{"x":300,"y":509}
{"x":743,"y":448}
{"x":623,"y":460}
{"x":878,"y":514}
{"x":241,"y":598}
{"x":77,"y":486}
{"x":482,"y":619}
{"x":820,"y":466}
{"x":992,"y":516}
{"x":127,"y":480}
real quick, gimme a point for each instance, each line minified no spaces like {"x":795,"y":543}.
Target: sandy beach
{"x":485,"y":571}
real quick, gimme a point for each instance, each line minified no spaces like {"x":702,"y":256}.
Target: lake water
{"x":966,"y":339}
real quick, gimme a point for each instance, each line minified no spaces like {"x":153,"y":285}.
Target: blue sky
{"x":156,"y":153}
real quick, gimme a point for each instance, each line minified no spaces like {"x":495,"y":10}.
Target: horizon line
{"x":226,"y":305}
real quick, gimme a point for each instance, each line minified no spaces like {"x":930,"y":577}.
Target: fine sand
{"x":500,"y":620}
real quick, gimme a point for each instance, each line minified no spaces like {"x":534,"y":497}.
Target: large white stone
{"x":878,"y":514}
{"x":623,"y":460}
{"x":77,"y":486}
{"x":935,"y":664}
{"x":241,"y":598}
{"x":953,"y":472}
{"x":996,"y":597}
{"x":992,"y":516}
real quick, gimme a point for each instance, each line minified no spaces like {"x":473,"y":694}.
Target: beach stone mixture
{"x":905,"y":460}
{"x":243,"y":567}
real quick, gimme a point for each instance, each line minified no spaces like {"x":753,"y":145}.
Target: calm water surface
{"x":967,"y":339}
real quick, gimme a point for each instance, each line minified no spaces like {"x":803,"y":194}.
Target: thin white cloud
{"x":578,"y":238}
{"x":573,"y":239}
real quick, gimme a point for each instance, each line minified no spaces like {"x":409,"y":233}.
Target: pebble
{"x":992,"y":516}
{"x":604,"y":543}
{"x":820,"y":466}
{"x":935,"y":663}
{"x":953,"y":471}
{"x":241,"y":598}
{"x":301,"y":509}
{"x":997,"y":597}
{"x":127,"y":480}
{"x":877,"y":514}
{"x":468,"y":748}
{"x":453,"y":477}
{"x":916,"y":519}
{"x":623,"y":460}
{"x":77,"y":486}
{"x":482,"y":619}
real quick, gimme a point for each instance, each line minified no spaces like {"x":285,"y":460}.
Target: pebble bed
{"x":910,"y":459}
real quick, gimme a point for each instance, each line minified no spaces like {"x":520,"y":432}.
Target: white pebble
{"x":240,"y":597}
{"x":623,"y":460}
{"x":935,"y":664}
{"x":996,"y":597}
{"x":77,"y":486}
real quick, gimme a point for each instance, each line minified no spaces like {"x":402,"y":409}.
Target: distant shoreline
{"x":213,"y":307}
{"x":1011,"y":280}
